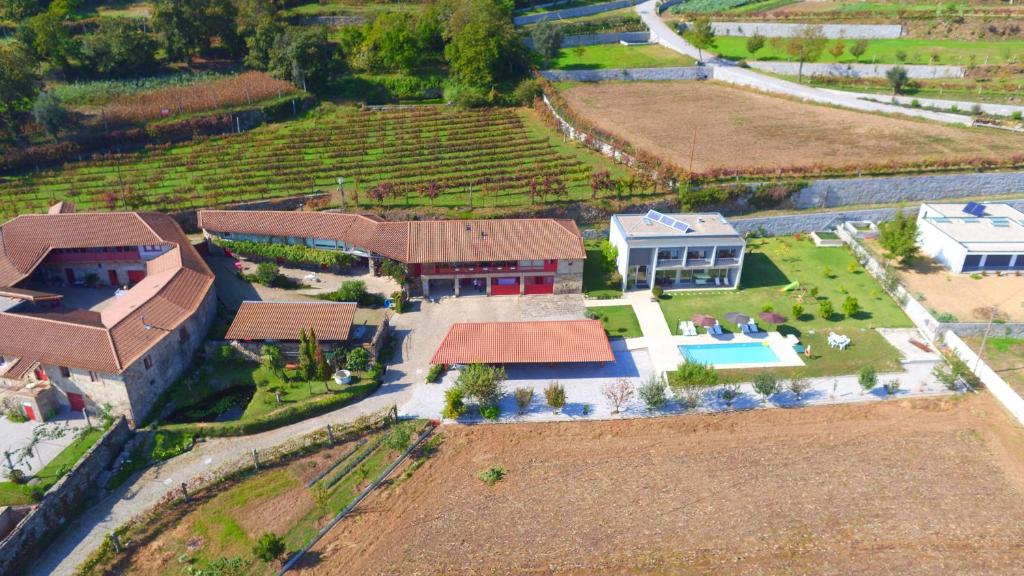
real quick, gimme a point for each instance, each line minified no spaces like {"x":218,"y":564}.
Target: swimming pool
{"x":732,"y":353}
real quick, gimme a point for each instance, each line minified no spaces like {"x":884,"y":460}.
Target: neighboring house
{"x":98,"y":309}
{"x":677,"y":251}
{"x":281,"y":322}
{"x":493,"y":257}
{"x":972,"y":237}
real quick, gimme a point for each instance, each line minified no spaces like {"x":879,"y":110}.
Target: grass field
{"x":480,"y":158}
{"x":771,"y":263}
{"x":914,"y":488}
{"x":603,"y":56}
{"x":1003,"y":354}
{"x":886,"y":51}
{"x":619,"y":321}
{"x":740,"y":130}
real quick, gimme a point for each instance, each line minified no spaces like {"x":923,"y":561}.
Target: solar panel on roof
{"x":681,"y":226}
{"x":653,"y":215}
{"x":974,"y":209}
{"x":1000,"y":222}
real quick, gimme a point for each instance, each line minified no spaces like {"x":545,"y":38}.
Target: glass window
{"x":998,"y":261}
{"x":147,"y":362}
{"x":728,"y":253}
{"x":65,"y":372}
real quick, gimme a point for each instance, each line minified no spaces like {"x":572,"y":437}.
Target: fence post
{"x":184,"y":493}
{"x":330,"y":434}
{"x":256,"y":458}
{"x":116,"y":542}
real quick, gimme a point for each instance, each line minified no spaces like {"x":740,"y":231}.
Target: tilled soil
{"x":735,"y":129}
{"x":913,"y":487}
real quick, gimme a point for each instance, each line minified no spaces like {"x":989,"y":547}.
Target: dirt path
{"x":922,"y":487}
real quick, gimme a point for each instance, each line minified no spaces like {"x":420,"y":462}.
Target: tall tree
{"x":482,"y":45}
{"x":48,"y":112}
{"x":391,"y":43}
{"x":19,"y":85}
{"x":306,"y":57}
{"x":806,"y":46}
{"x":547,"y":40}
{"x":189,"y":27}
{"x":18,"y":10}
{"x":259,"y":42}
{"x":898,"y":79}
{"x":899,"y":237}
{"x":51,"y":39}
{"x":119,"y":48}
{"x":701,"y":34}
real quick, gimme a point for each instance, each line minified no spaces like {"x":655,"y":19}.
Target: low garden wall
{"x":629,"y":74}
{"x":572,"y":12}
{"x":835,"y":192}
{"x":593,"y":39}
{"x":1011,"y":329}
{"x":776,"y":30}
{"x":63,"y":501}
{"x":852,"y":70}
{"x":986,"y":107}
{"x":992,"y":380}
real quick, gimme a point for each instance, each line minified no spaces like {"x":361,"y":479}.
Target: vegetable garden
{"x":400,"y":157}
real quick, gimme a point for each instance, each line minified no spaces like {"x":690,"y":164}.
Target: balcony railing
{"x":698,"y":262}
{"x":726,"y":261}
{"x":670,"y":262}
{"x":488,"y":269}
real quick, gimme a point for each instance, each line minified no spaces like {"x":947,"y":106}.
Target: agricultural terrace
{"x":737,"y":130}
{"x":889,"y":51}
{"x":915,"y":487}
{"x":359,"y":10}
{"x":824,"y":274}
{"x":394,"y":158}
{"x":618,"y":56}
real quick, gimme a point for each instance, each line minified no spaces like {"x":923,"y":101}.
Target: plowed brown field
{"x":925,"y":487}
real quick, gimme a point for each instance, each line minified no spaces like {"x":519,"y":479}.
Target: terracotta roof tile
{"x":525,"y":342}
{"x":284,"y":320}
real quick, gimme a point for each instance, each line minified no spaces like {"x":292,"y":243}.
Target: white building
{"x":677,"y":251}
{"x":972,"y":237}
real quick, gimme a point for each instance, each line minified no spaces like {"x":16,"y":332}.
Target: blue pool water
{"x":738,"y":353}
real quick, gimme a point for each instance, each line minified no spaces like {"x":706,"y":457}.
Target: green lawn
{"x":885,"y":51}
{"x":603,"y":56}
{"x":1005,"y":355}
{"x":560,"y":6}
{"x":11,"y":493}
{"x":772,"y":263}
{"x":595,"y":274}
{"x":618,"y":320}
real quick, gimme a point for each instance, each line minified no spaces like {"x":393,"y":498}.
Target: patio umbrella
{"x":737,"y":318}
{"x":772,"y":317}
{"x":703,"y":320}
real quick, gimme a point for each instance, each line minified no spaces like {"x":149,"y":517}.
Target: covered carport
{"x":547,"y":342}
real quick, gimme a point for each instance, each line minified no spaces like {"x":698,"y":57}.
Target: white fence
{"x":992,"y":381}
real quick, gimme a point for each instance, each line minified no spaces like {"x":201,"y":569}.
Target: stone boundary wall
{"x":63,"y":501}
{"x":629,"y":74}
{"x":572,"y":12}
{"x":834,"y":31}
{"x":851,"y":70}
{"x":593,"y":39}
{"x":836,"y":192}
{"x":986,"y":107}
{"x":1011,"y":329}
{"x":992,"y":380}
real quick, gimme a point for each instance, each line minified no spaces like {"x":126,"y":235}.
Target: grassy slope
{"x":11,"y":493}
{"x":918,"y":51}
{"x":618,"y":56}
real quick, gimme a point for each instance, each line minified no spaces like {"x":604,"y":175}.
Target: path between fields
{"x":728,"y":71}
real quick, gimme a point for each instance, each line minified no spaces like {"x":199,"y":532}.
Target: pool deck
{"x":782,"y":348}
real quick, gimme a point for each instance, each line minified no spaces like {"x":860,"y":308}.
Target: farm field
{"x":478,"y":158}
{"x":887,"y":51}
{"x":350,"y":8}
{"x":740,"y":130}
{"x":915,"y":487}
{"x":618,"y":56}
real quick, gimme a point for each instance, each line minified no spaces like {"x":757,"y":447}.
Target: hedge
{"x":288,"y":252}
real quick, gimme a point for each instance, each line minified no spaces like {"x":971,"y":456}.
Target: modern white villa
{"x":972,"y":237}
{"x":677,"y":251}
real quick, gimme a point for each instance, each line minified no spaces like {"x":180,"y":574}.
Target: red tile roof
{"x":331,"y":321}
{"x":175,"y":286}
{"x":551,"y":341}
{"x":414,"y":242}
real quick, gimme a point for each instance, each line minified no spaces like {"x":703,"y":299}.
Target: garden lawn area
{"x":595,"y":274}
{"x":1005,"y":355}
{"x":618,"y":320}
{"x":884,"y":51}
{"x":772,"y":263}
{"x":11,"y":493}
{"x":602,"y":56}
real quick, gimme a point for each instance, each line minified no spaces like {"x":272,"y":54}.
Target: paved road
{"x":727,"y":71}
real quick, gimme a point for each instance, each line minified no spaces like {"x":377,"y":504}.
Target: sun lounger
{"x":752,"y":327}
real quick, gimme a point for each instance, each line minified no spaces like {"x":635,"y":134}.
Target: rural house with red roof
{"x":98,"y":309}
{"x":493,"y":257}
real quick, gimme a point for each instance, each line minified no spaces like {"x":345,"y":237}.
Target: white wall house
{"x":972,"y":237}
{"x":677,"y":251}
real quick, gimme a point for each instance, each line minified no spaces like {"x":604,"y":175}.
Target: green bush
{"x":289,"y":252}
{"x":527,"y":91}
{"x":434,"y":373}
{"x":765,"y":384}
{"x":454,"y":406}
{"x":226,"y":352}
{"x":554,"y":394}
{"x":16,"y":415}
{"x":357,"y":359}
{"x":482,"y":383}
{"x":490,"y":412}
{"x":653,"y":394}
{"x":168,"y":443}
{"x":657,"y":292}
{"x":398,"y":438}
{"x":867,"y":378}
{"x":798,"y":310}
{"x":523,"y":398}
{"x":268,"y":547}
{"x":351,"y":291}
{"x":491,"y":475}
{"x":399,"y":301}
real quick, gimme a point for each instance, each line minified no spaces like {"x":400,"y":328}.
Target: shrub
{"x":798,"y":386}
{"x":851,"y":267}
{"x":892,"y":387}
{"x":765,"y":384}
{"x":398,"y":301}
{"x":351,"y":291}
{"x":730,"y":392}
{"x":226,"y":352}
{"x":526,"y":92}
{"x":657,"y":291}
{"x":767,"y":308}
{"x":1017,"y":115}
{"x":826,"y":272}
{"x":653,"y":393}
{"x":523,"y":398}
{"x":454,"y":406}
{"x":357,"y":359}
{"x":867,"y":378}
{"x":798,"y":310}
{"x":554,"y":394}
{"x":825,"y":309}
{"x":482,"y":383}
{"x":434,"y":373}
{"x":170,"y":443}
{"x":492,"y":475}
{"x":398,"y":438}
{"x":268,"y":547}
{"x":267,"y":273}
{"x":618,"y":392}
{"x":851,"y":307}
{"x":16,"y":476}
{"x":16,"y":415}
{"x":490,"y":412}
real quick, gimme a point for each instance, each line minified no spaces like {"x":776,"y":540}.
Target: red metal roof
{"x":284,"y":320}
{"x":552,"y":341}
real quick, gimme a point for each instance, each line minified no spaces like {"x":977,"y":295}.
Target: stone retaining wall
{"x":63,"y":501}
{"x":891,"y":190}
{"x":629,"y":74}
{"x":849,"y":70}
{"x":593,"y":39}
{"x":777,"y":30}
{"x":572,"y":12}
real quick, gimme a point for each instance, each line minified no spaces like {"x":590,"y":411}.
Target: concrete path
{"x":664,"y":354}
{"x":986,"y":107}
{"x":727,"y":71}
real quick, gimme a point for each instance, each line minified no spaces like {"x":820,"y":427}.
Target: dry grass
{"x":738,"y":129}
{"x":924,"y":487}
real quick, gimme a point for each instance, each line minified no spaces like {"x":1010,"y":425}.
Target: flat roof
{"x":331,"y":321}
{"x":551,"y":341}
{"x":699,"y":224}
{"x":999,"y":229}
